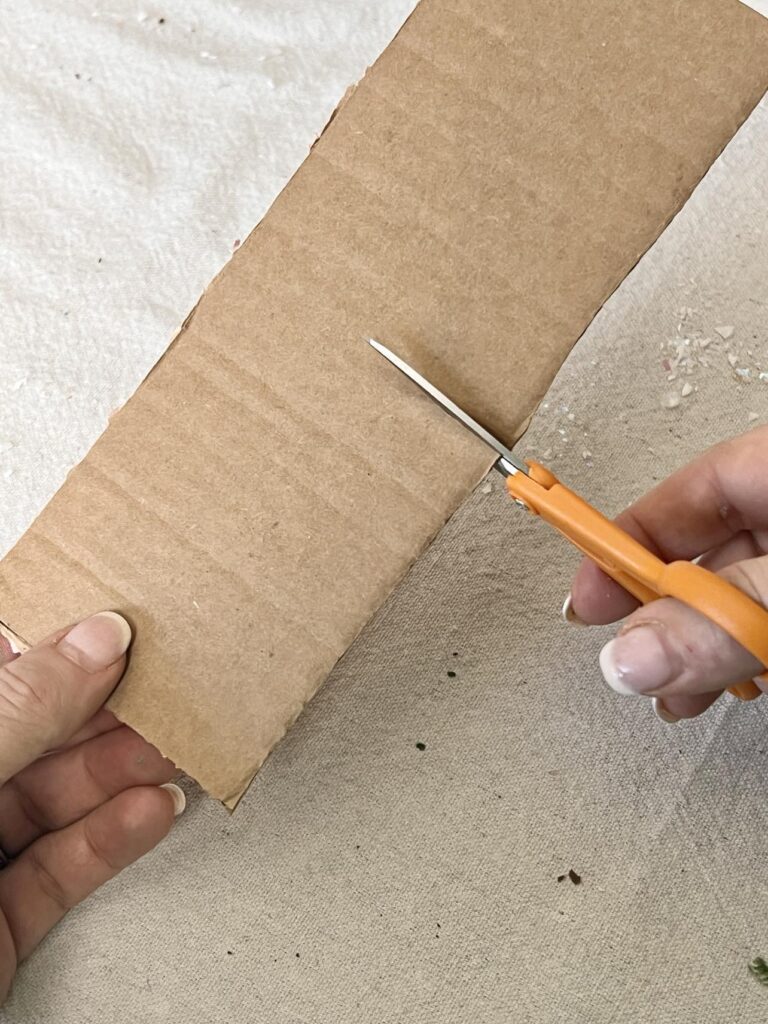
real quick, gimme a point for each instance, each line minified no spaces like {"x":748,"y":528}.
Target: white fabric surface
{"x":363,"y":881}
{"x":134,"y":154}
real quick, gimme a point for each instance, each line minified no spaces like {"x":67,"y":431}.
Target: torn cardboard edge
{"x":17,"y":644}
{"x":473,"y":203}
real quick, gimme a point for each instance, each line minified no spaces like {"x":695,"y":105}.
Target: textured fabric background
{"x":362,"y":880}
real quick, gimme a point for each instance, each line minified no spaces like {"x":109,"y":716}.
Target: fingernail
{"x":179,"y":799}
{"x":569,"y":614}
{"x":661,"y":711}
{"x":637,"y":661}
{"x":97,"y":642}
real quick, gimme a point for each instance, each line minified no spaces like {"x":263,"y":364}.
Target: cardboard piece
{"x":473,"y":203}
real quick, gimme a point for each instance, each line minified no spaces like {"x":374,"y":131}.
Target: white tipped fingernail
{"x":611,"y":672}
{"x":661,"y":711}
{"x":637,"y":661}
{"x":569,"y":614}
{"x":179,"y":799}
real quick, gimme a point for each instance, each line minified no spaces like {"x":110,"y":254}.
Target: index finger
{"x":722,"y":493}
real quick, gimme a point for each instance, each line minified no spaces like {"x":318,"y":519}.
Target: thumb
{"x":52,"y":690}
{"x":668,"y":650}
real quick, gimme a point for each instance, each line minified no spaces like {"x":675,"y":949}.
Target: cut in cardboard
{"x":473,"y":203}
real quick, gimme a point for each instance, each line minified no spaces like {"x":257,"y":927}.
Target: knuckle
{"x":50,"y":886}
{"x":28,"y":805}
{"x":23,"y":693}
{"x":96,"y":850}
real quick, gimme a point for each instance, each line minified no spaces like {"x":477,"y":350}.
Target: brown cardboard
{"x":479,"y":195}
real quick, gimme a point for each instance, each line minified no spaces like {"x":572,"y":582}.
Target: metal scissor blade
{"x":509,"y":464}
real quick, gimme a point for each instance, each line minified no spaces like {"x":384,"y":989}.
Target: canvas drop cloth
{"x":363,"y":879}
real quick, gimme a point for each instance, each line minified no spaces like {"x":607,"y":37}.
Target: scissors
{"x":646,"y":577}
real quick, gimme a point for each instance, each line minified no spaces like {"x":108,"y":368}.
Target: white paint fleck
{"x":752,"y":417}
{"x":732,"y":359}
{"x":686,"y":390}
{"x":670,"y":400}
{"x":725,"y":332}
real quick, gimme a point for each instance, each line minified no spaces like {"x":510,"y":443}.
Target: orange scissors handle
{"x":639,"y":571}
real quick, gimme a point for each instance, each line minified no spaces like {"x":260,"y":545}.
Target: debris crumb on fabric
{"x":421,"y":746}
{"x":487,"y":488}
{"x":732,"y":359}
{"x":586,"y":454}
{"x":759,"y":969}
{"x":683,"y":356}
{"x":573,"y":875}
{"x":752,"y":417}
{"x":725,"y":332}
